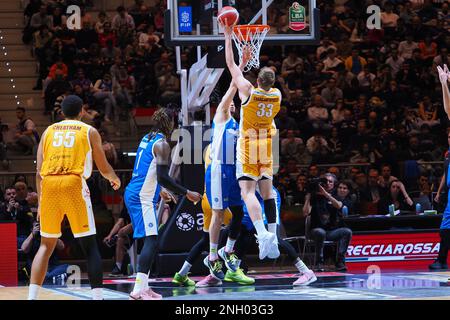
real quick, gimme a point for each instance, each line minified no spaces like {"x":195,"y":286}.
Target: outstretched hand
{"x":444,"y":74}
{"x":227,"y":30}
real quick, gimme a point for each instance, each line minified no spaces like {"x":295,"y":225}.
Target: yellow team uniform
{"x":67,"y":163}
{"x":254,"y":146}
{"x":206,"y":207}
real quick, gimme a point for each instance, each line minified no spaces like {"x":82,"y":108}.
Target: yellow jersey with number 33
{"x":256,"y":123}
{"x":67,"y":149}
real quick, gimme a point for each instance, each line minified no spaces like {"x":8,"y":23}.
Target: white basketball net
{"x":251,"y":36}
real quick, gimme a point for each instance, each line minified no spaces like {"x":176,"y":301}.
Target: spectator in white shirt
{"x":332,"y":61}
{"x":122,"y":18}
{"x":406,"y":48}
{"x":290,"y":62}
{"x":317,"y":145}
{"x":316,"y":112}
{"x":395,"y":62}
{"x":330,"y":94}
{"x":326,"y":44}
{"x":291,"y":145}
{"x":365,"y":78}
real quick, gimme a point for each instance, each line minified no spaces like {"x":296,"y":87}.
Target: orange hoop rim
{"x":244,"y":30}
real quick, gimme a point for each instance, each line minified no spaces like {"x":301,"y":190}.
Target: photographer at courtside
{"x":326,"y":219}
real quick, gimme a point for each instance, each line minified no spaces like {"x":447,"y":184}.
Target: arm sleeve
{"x":162,"y":174}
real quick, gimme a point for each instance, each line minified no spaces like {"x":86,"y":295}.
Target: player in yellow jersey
{"x":64,"y":162}
{"x":259,"y":107}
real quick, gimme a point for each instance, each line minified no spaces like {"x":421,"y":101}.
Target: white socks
{"x":185,"y":269}
{"x":141,"y":282}
{"x":273,"y":228}
{"x":301,"y":267}
{"x":230,"y":245}
{"x":97,"y":294}
{"x":213,"y":251}
{"x":33,"y":291}
{"x":260,"y":227}
{"x":119,"y":265}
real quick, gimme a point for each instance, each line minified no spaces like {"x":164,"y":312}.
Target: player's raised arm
{"x":444,"y":77}
{"x":231,"y":92}
{"x":243,"y":85}
{"x":100,"y":159}
{"x":162,"y":153}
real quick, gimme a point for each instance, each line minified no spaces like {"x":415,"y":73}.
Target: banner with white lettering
{"x":393,"y":250}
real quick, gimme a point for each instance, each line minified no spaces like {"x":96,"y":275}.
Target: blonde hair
{"x":266,"y":78}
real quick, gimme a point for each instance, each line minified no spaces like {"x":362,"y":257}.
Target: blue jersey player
{"x":222,"y":188}
{"x":150,"y":173}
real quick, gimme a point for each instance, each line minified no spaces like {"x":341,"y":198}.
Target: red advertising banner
{"x":415,"y":250}
{"x":8,"y":254}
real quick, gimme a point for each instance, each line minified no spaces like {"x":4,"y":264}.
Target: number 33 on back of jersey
{"x":265,"y":110}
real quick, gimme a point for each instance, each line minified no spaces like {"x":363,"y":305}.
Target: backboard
{"x":194,"y":22}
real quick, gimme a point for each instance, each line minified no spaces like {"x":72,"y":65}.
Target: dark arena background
{"x":363,"y":108}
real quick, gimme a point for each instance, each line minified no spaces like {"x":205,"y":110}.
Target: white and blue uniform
{"x":222,"y":187}
{"x":142,"y":193}
{"x":247,"y":221}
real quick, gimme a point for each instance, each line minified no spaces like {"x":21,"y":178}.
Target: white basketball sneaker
{"x":265,"y":243}
{"x":274,"y":252}
{"x":306,"y":279}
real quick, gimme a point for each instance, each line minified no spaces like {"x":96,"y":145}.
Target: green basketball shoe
{"x":239,"y":277}
{"x":183,"y":280}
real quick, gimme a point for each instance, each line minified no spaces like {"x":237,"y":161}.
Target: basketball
{"x":228,"y":16}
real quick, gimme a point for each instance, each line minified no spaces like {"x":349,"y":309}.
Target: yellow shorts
{"x":254,"y":159}
{"x":65,"y":195}
{"x":254,"y":171}
{"x":207,"y":214}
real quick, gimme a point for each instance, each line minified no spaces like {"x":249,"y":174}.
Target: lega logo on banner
{"x":186,"y":222}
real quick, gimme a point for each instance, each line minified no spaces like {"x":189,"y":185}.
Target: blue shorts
{"x":222,"y":187}
{"x":143,"y":214}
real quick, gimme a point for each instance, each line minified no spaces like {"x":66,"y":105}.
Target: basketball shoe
{"x":183,"y":280}
{"x":266,"y":243}
{"x":208,"y":281}
{"x":306,"y":278}
{"x":230,"y":260}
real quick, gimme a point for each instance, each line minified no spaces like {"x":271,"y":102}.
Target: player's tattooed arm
{"x":243,"y":85}
{"x":100,"y":159}
{"x":162,"y":153}
{"x":444,"y":77}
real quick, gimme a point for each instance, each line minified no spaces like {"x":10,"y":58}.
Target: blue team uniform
{"x":247,"y":222}
{"x":222,"y":187}
{"x":142,"y":193}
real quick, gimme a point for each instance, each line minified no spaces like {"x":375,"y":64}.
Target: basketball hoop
{"x":251,"y":36}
